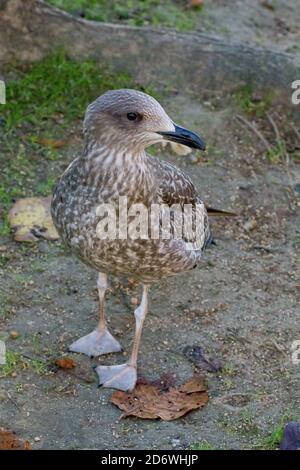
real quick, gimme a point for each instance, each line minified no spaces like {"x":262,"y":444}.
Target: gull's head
{"x":131,"y":119}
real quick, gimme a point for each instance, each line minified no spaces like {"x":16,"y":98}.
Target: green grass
{"x":272,"y":441}
{"x":46,"y":102}
{"x":15,"y":362}
{"x":203,"y":445}
{"x":247,"y":101}
{"x":169,"y":13}
{"x":57,"y":91}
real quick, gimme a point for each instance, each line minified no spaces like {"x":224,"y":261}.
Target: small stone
{"x":297,"y":188}
{"x":37,"y":439}
{"x":134,"y":300}
{"x":250,"y":225}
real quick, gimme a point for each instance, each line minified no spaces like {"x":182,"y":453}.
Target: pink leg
{"x":99,"y":341}
{"x":123,"y":376}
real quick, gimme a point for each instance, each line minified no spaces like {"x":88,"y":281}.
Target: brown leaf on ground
{"x":9,"y":441}
{"x":197,"y":355}
{"x":56,"y":144}
{"x":165,"y":382}
{"x":30,"y":220}
{"x":65,"y":363}
{"x":196,"y":3}
{"x":147,"y":401}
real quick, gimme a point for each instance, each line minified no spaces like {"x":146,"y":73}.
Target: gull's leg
{"x":123,"y":376}
{"x":99,"y":341}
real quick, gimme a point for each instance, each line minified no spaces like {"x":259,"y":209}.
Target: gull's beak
{"x":184,"y":137}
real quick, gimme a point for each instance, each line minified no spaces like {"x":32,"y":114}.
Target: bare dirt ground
{"x":273,"y":24}
{"x":241,"y":305}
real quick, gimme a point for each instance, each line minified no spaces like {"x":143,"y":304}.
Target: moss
{"x":170,"y":13}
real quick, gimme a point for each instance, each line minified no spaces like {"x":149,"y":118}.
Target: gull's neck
{"x":100,"y":156}
{"x":125,"y":168}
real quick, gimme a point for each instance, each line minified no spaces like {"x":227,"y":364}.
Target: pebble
{"x":250,"y":224}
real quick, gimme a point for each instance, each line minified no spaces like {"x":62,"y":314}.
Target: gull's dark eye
{"x":132,"y":116}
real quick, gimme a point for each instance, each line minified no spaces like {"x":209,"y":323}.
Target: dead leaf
{"x":193,"y":385}
{"x":196,"y":3}
{"x":165,"y":382}
{"x":55,"y":144}
{"x":9,"y":441}
{"x":30,"y":219}
{"x":65,"y":363}
{"x":198,"y":357}
{"x":180,"y":149}
{"x":147,"y":401}
{"x":177,"y":149}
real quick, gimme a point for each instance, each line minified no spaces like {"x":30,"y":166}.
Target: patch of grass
{"x":5,"y":304}
{"x":272,"y":441}
{"x":16,"y":362}
{"x":45,"y":187}
{"x":4,"y":260}
{"x":242,"y":424}
{"x":170,"y":13}
{"x":203,"y":445}
{"x":275,"y":155}
{"x":247,"y":100}
{"x":13,"y":362}
{"x":56,"y":90}
{"x":45,"y":103}
{"x":39,"y":367}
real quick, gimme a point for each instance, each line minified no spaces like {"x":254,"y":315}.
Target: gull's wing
{"x":176,"y":188}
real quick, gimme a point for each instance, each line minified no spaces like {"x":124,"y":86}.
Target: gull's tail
{"x":219,"y":213}
{"x":215,"y":213}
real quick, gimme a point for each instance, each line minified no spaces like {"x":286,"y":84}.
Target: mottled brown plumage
{"x":118,"y":127}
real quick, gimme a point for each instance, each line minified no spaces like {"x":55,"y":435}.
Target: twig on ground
{"x":13,"y":401}
{"x":254,"y":129}
{"x":296,"y":131}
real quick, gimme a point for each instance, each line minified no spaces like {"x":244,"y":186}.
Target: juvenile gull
{"x":118,"y":126}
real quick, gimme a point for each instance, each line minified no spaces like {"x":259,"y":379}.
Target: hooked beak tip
{"x":184,"y":137}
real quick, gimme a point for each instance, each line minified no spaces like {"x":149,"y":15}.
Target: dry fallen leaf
{"x":65,"y":363}
{"x":30,"y":219}
{"x":9,"y":441}
{"x":197,"y":355}
{"x":51,"y":143}
{"x":196,"y":3}
{"x":177,"y":149}
{"x":147,"y":401}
